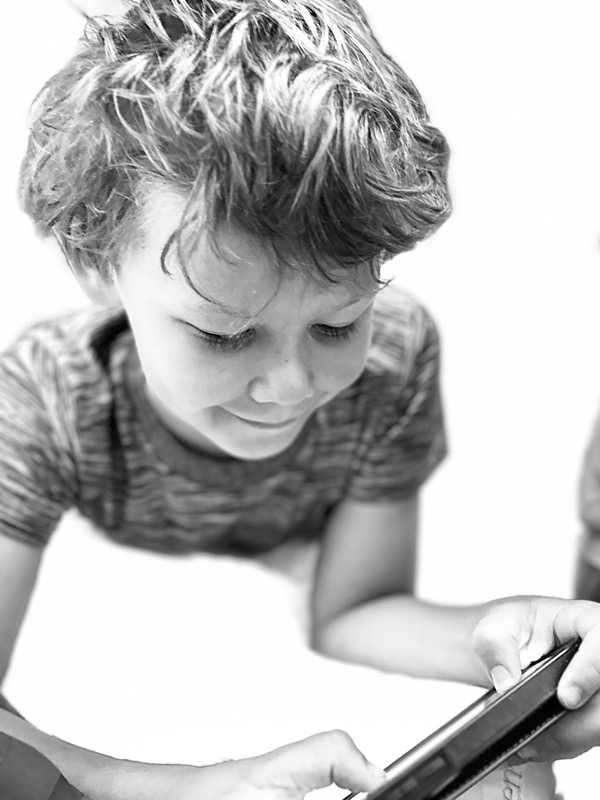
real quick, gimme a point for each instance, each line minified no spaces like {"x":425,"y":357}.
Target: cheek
{"x":340,"y":366}
{"x":186,"y":374}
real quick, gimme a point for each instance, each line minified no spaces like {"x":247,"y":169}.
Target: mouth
{"x":269,"y":425}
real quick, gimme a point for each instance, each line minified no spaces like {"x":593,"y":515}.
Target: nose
{"x":285,"y":379}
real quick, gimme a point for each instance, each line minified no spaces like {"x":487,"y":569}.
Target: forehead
{"x":234,"y":270}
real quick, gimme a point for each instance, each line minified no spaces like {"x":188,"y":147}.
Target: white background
{"x":513,"y":278}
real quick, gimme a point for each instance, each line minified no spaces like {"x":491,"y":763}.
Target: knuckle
{"x":483,"y":634}
{"x":338,"y":740}
{"x":593,"y":671}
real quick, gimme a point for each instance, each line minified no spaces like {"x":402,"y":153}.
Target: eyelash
{"x":240,"y":340}
{"x":235,"y":342}
{"x":343,"y":332}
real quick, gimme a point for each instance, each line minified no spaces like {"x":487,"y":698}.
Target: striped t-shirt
{"x":76,"y":430}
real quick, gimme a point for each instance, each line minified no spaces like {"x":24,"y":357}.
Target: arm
{"x":288,"y":772}
{"x":587,"y":575}
{"x":19,"y":566}
{"x":363,"y":605}
{"x":364,"y":611}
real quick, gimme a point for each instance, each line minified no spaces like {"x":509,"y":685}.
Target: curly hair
{"x":284,"y":117}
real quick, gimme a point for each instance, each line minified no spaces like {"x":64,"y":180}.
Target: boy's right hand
{"x":287,"y":773}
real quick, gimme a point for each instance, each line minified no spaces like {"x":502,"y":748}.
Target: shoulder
{"x":70,"y":343}
{"x":61,"y":367}
{"x":403,"y":332}
{"x":75,"y":331}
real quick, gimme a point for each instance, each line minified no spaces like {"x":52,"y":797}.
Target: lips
{"x":268,"y":423}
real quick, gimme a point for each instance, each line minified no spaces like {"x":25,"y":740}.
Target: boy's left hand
{"x":514,"y":632}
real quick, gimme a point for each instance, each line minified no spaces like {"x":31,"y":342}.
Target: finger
{"x":544,"y":747}
{"x":512,"y":635}
{"x":327,"y":758}
{"x":574,"y":734}
{"x":498,"y":639}
{"x":581,"y":678}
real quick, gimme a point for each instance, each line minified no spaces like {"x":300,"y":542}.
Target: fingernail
{"x":378,"y":772}
{"x":527,"y":753}
{"x":571,"y":696}
{"x":501,"y":678}
{"x":378,"y":776}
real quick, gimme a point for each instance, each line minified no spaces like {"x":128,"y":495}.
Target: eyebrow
{"x":240,"y":314}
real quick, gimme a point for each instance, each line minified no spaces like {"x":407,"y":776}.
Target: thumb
{"x":321,"y":760}
{"x":506,"y":640}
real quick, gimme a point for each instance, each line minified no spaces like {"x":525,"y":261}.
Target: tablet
{"x":480,"y":738}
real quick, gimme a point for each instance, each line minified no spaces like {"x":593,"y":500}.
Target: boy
{"x":228,"y":177}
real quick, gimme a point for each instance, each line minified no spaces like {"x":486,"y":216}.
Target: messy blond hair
{"x":284,"y":117}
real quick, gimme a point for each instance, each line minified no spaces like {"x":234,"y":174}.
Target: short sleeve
{"x":589,"y":484}
{"x":36,"y":472}
{"x":407,"y":441}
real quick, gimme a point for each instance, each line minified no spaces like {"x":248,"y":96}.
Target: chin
{"x":258,"y":451}
{"x":258,"y":448}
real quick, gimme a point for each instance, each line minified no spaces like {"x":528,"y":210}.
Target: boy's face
{"x":241,"y":372}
